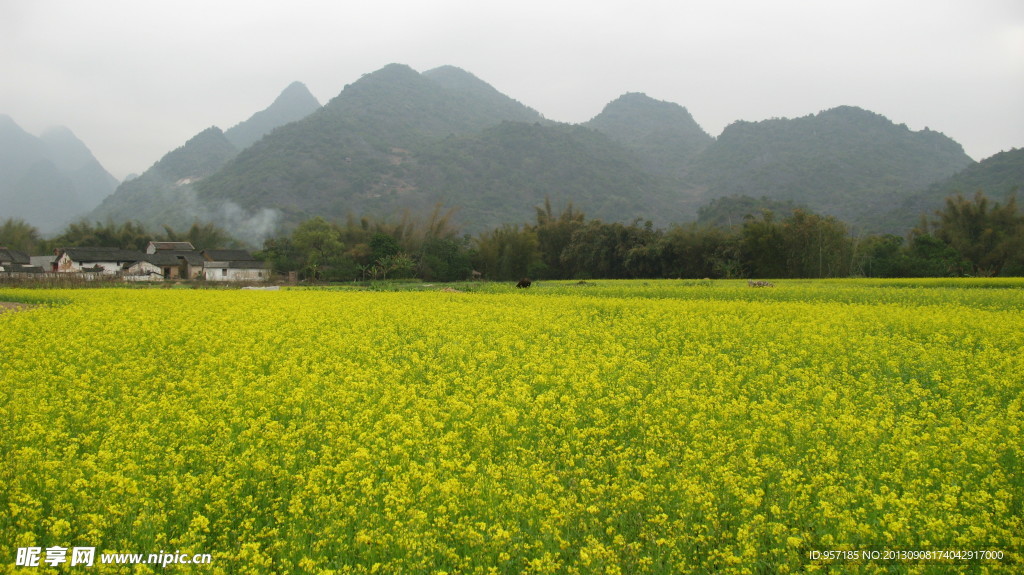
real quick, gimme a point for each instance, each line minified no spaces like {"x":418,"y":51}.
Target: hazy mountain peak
{"x":635,"y":115}
{"x":201,"y":155}
{"x":663,"y":132}
{"x":50,"y":179}
{"x":388,"y":74}
{"x":453,"y":76}
{"x":471,"y":90}
{"x":291,"y":105}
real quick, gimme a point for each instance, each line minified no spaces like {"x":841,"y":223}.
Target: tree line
{"x":969,"y":236}
{"x":20,"y":235}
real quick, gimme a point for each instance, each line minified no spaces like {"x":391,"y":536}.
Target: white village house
{"x":162,"y":261}
{"x":233,"y":266}
{"x":107,"y":261}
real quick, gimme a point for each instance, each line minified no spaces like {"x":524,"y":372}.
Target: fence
{"x":57,"y":280}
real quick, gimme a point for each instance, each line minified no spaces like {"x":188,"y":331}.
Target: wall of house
{"x":226,"y":274}
{"x":144,"y":271}
{"x":66,"y":264}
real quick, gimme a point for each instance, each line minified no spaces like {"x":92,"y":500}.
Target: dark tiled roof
{"x":227,"y":255}
{"x":163,"y":259}
{"x":176,"y":246}
{"x":84,"y":255}
{"x":14,"y":256}
{"x":192,"y":257}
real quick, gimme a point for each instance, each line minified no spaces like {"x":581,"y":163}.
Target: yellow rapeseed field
{"x":607,"y":427}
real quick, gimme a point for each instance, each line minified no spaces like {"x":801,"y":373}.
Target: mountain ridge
{"x":48,"y":179}
{"x":397,"y":139}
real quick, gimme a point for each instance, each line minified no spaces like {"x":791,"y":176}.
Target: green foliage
{"x":383,"y":245}
{"x":445,"y":260}
{"x":17,"y":234}
{"x":508,"y":253}
{"x":804,"y":245}
{"x":613,"y":250}
{"x":319,"y":243}
{"x":987,"y":236}
{"x":128,"y":235}
{"x":566,"y":245}
{"x":1000,"y":176}
{"x":554,"y":235}
{"x":731,"y":211}
{"x":282,"y":255}
{"x":694,"y":251}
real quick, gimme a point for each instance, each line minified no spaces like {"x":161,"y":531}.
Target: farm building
{"x":233,"y":265}
{"x":177,"y":260}
{"x":107,"y":261}
{"x":15,"y":261}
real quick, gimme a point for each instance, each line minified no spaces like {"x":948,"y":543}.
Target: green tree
{"x":17,"y":234}
{"x":445,"y":259}
{"x":987,"y":236}
{"x":128,"y":235}
{"x":281,"y":254}
{"x":816,"y":246}
{"x":319,"y":242}
{"x":696,"y":251}
{"x":763,"y":246}
{"x":554,"y":234}
{"x":508,"y":253}
{"x":804,"y":245}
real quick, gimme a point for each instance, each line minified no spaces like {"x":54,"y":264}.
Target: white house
{"x":233,"y":266}
{"x":107,"y":261}
{"x":238,"y":271}
{"x":143,"y":271}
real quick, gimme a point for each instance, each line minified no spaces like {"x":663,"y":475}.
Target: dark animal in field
{"x":524,"y":283}
{"x":760,"y":283}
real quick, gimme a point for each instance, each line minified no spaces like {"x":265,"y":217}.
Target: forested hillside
{"x":999,"y":177}
{"x":398,"y":141}
{"x":163,"y":195}
{"x":846,"y":162}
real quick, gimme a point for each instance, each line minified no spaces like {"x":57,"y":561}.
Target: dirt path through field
{"x":13,"y":306}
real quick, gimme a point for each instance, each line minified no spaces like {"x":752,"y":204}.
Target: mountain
{"x":164,"y":194}
{"x":847,"y":162}
{"x":999,"y":177}
{"x":294,"y":103}
{"x":497,"y":176}
{"x":397,"y":140}
{"x":664,"y":134}
{"x":479,"y":99}
{"x":48,"y":180}
{"x":362,"y":151}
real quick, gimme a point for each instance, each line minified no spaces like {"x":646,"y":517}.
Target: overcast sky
{"x":134,"y":79}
